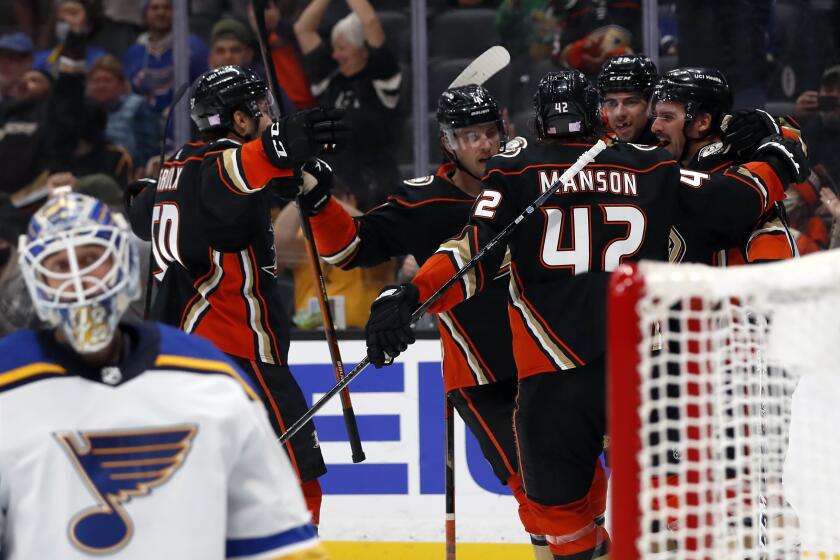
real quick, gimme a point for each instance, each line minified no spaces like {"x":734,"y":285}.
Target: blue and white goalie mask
{"x":81,"y":268}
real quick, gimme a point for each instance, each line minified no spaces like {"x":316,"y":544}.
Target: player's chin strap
{"x":454,"y":159}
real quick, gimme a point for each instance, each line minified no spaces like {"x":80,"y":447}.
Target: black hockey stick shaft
{"x":147,"y":303}
{"x":449,"y":526}
{"x":585,"y":159}
{"x":357,"y":453}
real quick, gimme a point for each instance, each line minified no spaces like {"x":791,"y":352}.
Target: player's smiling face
{"x":475,"y":145}
{"x":669,"y":126}
{"x":627,"y":114}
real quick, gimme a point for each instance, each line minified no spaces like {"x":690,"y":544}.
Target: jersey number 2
{"x":579,"y":256}
{"x":165,"y":218}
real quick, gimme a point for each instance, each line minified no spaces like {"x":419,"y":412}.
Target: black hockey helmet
{"x":566,"y":105}
{"x":698,"y":89}
{"x":628,"y":72}
{"x":468,"y":105}
{"x":216,"y":94}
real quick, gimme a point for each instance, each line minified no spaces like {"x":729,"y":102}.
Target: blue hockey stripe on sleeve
{"x":235,"y":548}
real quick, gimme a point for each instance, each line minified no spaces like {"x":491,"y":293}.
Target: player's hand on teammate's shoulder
{"x":388,"y":330}
{"x":745,"y":130}
{"x":292,"y":140}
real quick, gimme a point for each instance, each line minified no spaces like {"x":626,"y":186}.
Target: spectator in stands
{"x":78,"y":16}
{"x":16,"y":311}
{"x":93,"y":153}
{"x":528,"y":27}
{"x":822,"y":132}
{"x":351,"y":291}
{"x":148,"y":63}
{"x":205,"y":13}
{"x":280,"y":16}
{"x":231,"y":42}
{"x":22,"y":116}
{"x":122,"y":23}
{"x":15,"y":59}
{"x":596,"y":30}
{"x":41,"y":126}
{"x":131,"y":122}
{"x":358,"y":73}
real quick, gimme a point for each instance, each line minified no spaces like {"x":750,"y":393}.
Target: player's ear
{"x":703,"y":123}
{"x":241,"y":122}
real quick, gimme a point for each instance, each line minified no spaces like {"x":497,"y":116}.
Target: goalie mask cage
{"x":724,"y":410}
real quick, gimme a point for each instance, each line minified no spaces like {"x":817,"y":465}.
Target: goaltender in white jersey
{"x":131,"y":440}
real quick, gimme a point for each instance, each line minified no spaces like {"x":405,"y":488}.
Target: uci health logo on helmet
{"x":81,"y":268}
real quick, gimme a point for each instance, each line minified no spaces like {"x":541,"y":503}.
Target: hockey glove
{"x":388,"y":330}
{"x":317,"y":184}
{"x":285,"y":189}
{"x":292,"y":140}
{"x":746,"y":129}
{"x":786,"y":156}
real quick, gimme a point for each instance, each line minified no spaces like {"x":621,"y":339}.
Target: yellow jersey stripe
{"x":30,"y":370}
{"x":315,"y":552}
{"x":213,"y":366}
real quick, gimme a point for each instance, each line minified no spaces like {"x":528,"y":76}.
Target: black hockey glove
{"x":786,"y":156}
{"x":746,"y":129}
{"x":317,"y":184}
{"x":292,"y":140}
{"x":388,"y":330}
{"x":285,"y":189}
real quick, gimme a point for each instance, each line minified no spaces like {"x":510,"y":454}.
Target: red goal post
{"x":724,"y":410}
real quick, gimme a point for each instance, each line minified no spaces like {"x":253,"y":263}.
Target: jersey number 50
{"x":579,"y":256}
{"x":165,"y":217}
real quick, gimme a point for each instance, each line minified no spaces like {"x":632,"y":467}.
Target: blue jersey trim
{"x":235,"y":548}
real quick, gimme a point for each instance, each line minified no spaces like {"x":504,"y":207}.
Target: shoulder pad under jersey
{"x":420,"y":181}
{"x":642,"y":147}
{"x":22,"y":361}
{"x":714,"y":149}
{"x":513,"y":147}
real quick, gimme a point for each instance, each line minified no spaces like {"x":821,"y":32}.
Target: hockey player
{"x":689,"y":106}
{"x":210,"y":226}
{"x":619,"y":208}
{"x":129,"y":439}
{"x":625,"y":85}
{"x":478,"y":369}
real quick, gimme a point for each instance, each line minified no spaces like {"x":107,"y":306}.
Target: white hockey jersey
{"x":168,"y":455}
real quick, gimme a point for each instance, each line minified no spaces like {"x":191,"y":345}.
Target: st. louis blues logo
{"x":116,"y":466}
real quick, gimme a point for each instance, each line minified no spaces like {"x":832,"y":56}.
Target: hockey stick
{"x":585,"y":159}
{"x":147,"y":304}
{"x":357,"y":453}
{"x":483,"y":67}
{"x":450,"y":480}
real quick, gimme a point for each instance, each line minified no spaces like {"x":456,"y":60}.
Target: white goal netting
{"x":739,"y":411}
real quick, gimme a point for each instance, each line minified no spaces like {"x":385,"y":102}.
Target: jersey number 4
{"x":165,"y":218}
{"x":579,"y":256}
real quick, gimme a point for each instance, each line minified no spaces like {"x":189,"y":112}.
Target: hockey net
{"x":724,"y":410}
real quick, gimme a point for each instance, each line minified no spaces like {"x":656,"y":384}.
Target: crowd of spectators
{"x":85,"y":85}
